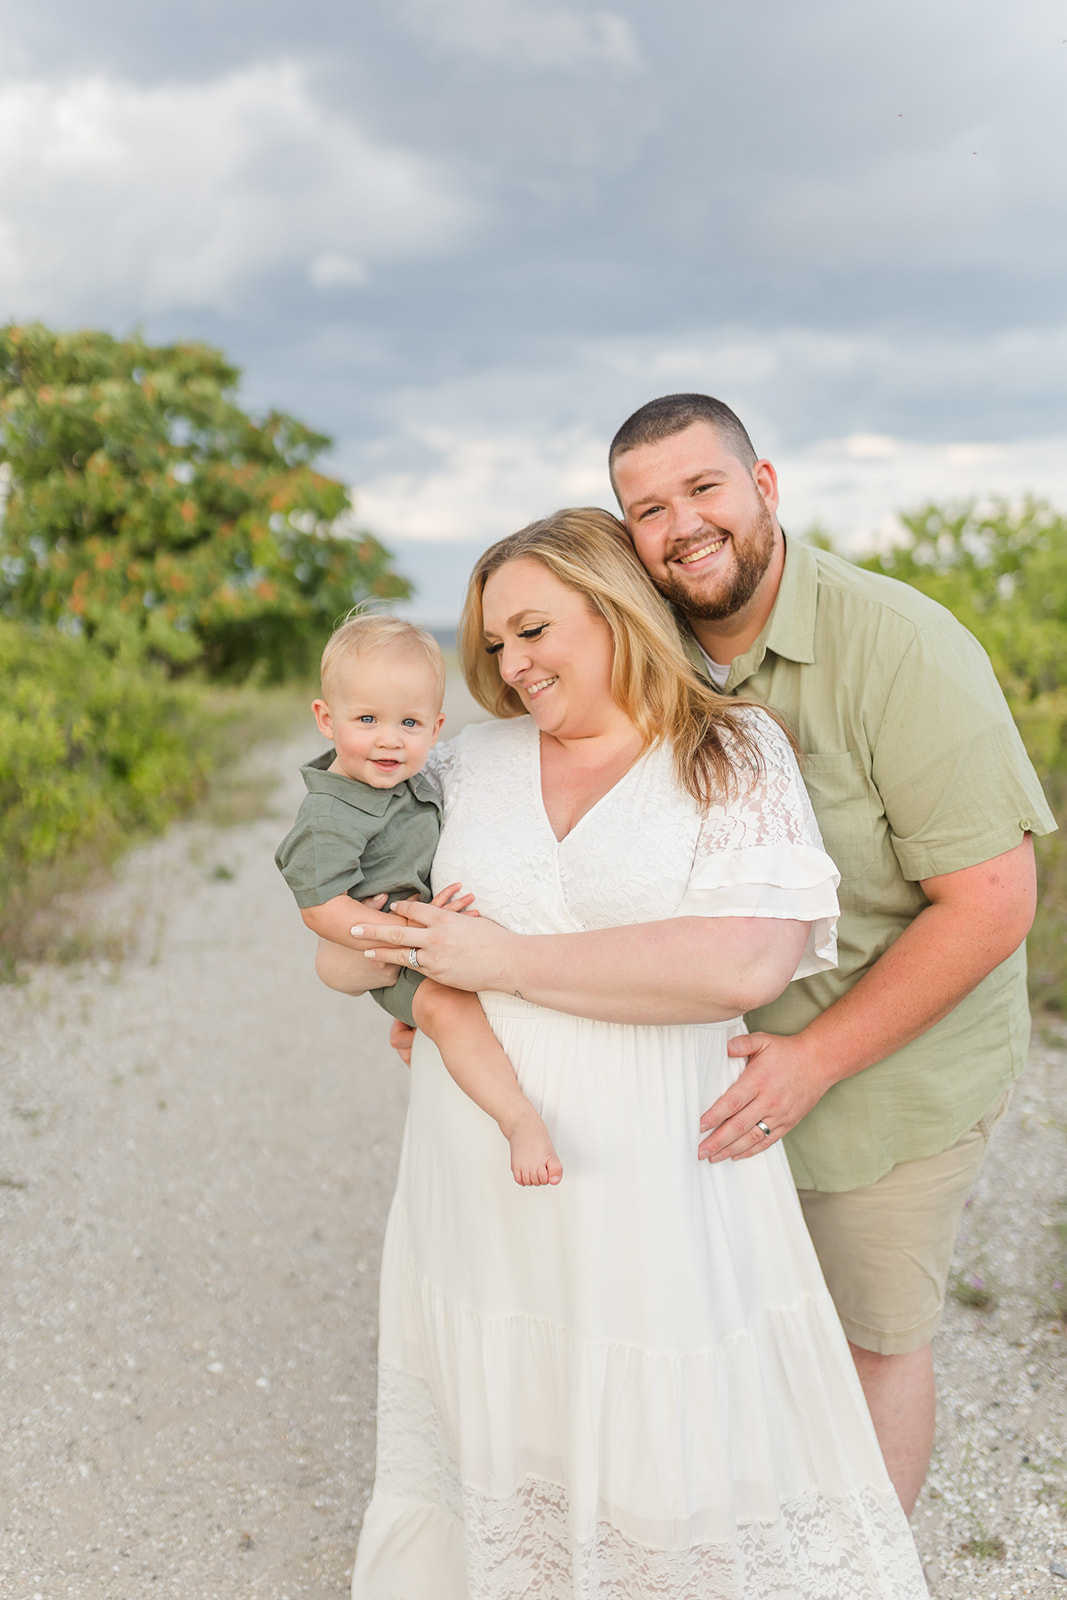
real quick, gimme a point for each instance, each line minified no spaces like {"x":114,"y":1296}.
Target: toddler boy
{"x":369,"y":825}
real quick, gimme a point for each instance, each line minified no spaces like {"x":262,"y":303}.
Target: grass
{"x":1058,"y":1273}
{"x":44,"y":918}
{"x":973,"y":1289}
{"x":987,"y":1549}
{"x":238,"y":790}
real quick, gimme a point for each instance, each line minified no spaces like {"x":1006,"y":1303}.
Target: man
{"x":900,"y":1061}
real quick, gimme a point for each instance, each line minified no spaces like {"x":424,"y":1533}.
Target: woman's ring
{"x":413,"y":960}
{"x":762,"y":1126}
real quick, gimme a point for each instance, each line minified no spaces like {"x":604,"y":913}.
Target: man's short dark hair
{"x":671,"y":414}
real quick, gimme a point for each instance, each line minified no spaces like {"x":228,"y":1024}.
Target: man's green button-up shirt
{"x":915,"y":768}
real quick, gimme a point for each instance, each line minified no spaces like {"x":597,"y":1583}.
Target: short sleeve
{"x":948,"y":762}
{"x":760,"y":854}
{"x":319,"y":857}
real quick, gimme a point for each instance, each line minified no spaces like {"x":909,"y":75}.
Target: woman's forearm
{"x":685,"y":969}
{"x":690,"y":969}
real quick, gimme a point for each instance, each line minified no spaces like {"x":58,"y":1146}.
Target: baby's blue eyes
{"x":405,"y":722}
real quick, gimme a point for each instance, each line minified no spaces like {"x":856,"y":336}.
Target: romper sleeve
{"x":760,"y":854}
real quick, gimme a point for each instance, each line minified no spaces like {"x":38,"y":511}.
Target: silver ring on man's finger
{"x":413,"y":957}
{"x":762,"y":1126}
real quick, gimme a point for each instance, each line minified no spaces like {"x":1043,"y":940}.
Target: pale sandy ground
{"x":196,"y":1155}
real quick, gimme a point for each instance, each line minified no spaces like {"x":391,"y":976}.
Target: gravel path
{"x":196,"y":1155}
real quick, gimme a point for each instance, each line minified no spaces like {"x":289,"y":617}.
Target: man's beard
{"x":751,"y":561}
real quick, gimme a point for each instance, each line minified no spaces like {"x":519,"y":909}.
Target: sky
{"x":467,"y":238}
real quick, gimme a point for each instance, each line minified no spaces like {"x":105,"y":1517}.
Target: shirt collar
{"x":364,"y":796}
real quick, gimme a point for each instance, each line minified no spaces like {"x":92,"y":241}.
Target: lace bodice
{"x":643,"y":853}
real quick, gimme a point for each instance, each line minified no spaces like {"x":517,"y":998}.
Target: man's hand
{"x":974,"y":920}
{"x":778,"y":1086}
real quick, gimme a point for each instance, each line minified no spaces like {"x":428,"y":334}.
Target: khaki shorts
{"x":886,"y":1250}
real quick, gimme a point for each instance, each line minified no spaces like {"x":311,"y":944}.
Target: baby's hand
{"x":454,"y":899}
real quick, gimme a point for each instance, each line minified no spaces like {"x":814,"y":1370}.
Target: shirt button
{"x":1026,"y":823}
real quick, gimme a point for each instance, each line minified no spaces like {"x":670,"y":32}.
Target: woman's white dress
{"x":631,"y":1386}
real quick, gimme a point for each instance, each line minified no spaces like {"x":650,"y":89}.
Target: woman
{"x":633,"y":1385}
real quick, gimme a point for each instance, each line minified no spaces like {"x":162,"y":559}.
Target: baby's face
{"x":383,"y":714}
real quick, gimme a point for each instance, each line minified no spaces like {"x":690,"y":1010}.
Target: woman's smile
{"x":534,"y":689}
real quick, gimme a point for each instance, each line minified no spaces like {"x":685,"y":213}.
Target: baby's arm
{"x":346,"y":970}
{"x":334,"y":918}
{"x":469,"y":1048}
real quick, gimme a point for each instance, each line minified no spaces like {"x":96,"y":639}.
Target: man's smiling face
{"x":701,"y":520}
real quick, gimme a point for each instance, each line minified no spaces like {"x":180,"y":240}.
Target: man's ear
{"x":766,"y":481}
{"x":323,"y":718}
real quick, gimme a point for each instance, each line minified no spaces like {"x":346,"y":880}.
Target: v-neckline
{"x":597,"y":803}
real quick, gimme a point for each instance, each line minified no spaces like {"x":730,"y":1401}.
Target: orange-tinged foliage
{"x":135,"y":476}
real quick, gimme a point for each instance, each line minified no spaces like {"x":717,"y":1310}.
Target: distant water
{"x":446,"y":637}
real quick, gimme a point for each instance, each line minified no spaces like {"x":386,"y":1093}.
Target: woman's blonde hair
{"x":652,"y":678}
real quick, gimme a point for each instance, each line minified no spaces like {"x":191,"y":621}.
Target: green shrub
{"x":92,"y":750}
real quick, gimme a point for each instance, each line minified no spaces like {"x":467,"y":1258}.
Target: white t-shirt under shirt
{"x":718,"y":674}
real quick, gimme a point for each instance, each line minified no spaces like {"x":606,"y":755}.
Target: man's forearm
{"x":948,"y":949}
{"x":974,"y":921}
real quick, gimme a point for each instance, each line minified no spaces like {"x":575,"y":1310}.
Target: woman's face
{"x":550,"y":647}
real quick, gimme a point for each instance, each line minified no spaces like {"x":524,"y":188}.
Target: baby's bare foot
{"x":533,"y":1156}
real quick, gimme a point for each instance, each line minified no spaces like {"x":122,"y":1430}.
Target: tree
{"x":147,"y":511}
{"x":1003,"y":572}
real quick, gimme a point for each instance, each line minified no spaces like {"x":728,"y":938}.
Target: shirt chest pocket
{"x":844,"y":808}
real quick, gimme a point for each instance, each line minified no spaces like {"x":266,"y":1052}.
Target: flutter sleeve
{"x":760,"y":854}
{"x":442,"y":764}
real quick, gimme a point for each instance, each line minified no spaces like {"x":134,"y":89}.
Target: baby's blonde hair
{"x":368,"y":632}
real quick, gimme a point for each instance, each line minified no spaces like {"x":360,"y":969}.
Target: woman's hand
{"x":463,"y":952}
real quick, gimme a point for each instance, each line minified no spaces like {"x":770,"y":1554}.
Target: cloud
{"x":184,"y":195}
{"x":527,"y":37}
{"x":849,"y":421}
{"x":335,"y":271}
{"x":481,"y":486}
{"x":484,"y":487}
